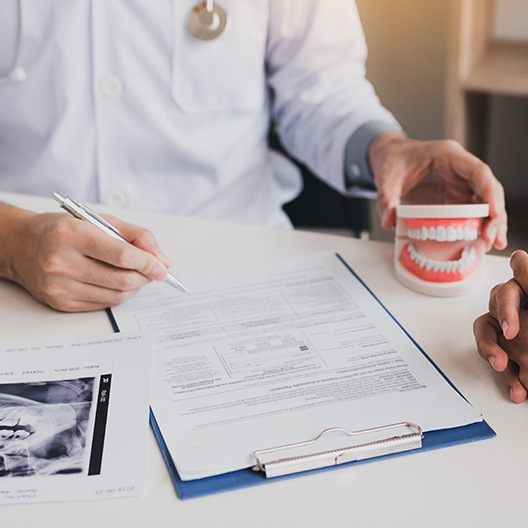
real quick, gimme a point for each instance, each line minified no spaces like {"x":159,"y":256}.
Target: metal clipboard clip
{"x":294,"y":458}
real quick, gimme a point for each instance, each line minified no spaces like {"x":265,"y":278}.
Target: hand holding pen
{"x":83,"y":212}
{"x":72,"y":266}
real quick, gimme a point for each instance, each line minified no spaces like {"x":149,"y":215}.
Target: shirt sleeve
{"x":325,"y":110}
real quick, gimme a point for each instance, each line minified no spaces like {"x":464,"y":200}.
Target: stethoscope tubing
{"x":18,"y":74}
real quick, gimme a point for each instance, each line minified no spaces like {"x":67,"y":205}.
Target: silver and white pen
{"x":83,"y":212}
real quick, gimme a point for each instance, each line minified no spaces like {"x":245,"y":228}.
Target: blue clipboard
{"x":247,"y":477}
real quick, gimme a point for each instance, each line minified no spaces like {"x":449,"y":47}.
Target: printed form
{"x":273,"y":356}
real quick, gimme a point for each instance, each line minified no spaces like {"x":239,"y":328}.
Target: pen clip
{"x":99,"y":218}
{"x":68,"y":205}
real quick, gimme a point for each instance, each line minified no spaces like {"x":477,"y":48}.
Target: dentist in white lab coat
{"x":116,"y":102}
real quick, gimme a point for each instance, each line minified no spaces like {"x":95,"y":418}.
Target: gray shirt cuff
{"x":358,"y":173}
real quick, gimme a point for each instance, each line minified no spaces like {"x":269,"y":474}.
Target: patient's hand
{"x":502,"y":334}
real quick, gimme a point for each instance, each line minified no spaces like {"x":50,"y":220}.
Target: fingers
{"x":519,"y":265}
{"x":495,"y":232}
{"x":99,"y":246}
{"x":97,"y":273}
{"x":479,"y":176}
{"x":389,"y":197}
{"x":72,"y":296}
{"x":486,"y":187}
{"x":507,"y":299}
{"x":141,"y":238}
{"x":486,"y":332}
{"x":504,"y":306}
{"x":518,"y":392}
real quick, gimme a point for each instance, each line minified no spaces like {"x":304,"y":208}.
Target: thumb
{"x":389,"y":197}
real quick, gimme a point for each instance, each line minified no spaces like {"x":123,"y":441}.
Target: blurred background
{"x":445,"y":68}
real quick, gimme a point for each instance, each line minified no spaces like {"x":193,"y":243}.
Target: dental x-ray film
{"x":73,"y":416}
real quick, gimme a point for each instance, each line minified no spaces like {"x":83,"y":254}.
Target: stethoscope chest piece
{"x":207,"y":20}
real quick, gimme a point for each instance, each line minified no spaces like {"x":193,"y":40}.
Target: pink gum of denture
{"x":436,"y":276}
{"x":417,"y":223}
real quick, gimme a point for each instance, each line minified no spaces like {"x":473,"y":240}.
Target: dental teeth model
{"x":437,"y":249}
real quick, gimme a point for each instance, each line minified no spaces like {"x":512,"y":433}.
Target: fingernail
{"x":492,"y":233}
{"x":491,"y":361}
{"x":160,"y":273}
{"x":518,"y":253}
{"x":505,"y":326}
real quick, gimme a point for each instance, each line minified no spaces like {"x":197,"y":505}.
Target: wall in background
{"x":407,"y":60}
{"x":511,"y":20}
{"x":408,"y":42}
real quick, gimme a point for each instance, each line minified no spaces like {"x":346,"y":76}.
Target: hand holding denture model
{"x":438,"y":249}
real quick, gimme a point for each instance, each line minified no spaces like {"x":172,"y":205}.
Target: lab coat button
{"x":117,"y":198}
{"x":355,"y":170}
{"x":111,"y":86}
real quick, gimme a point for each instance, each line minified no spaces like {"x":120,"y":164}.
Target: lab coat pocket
{"x":227,"y":73}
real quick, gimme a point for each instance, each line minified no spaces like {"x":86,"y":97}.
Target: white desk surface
{"x":480,"y":484}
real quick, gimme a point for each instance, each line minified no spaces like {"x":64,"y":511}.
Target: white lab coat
{"x":122,"y":106}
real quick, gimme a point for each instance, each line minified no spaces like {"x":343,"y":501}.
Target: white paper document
{"x":74,"y":419}
{"x":272,"y":356}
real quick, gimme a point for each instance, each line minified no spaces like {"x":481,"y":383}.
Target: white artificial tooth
{"x":428,"y":264}
{"x":441,"y":234}
{"x":460,"y":233}
{"x":422,"y":261}
{"x":410,"y":234}
{"x":459,"y":265}
{"x":437,"y":266}
{"x":467,"y":233}
{"x":452,"y":266}
{"x":451,"y":234}
{"x":474,"y":234}
{"x":432,"y":233}
{"x":424,"y":233}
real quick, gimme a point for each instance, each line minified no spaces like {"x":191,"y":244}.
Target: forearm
{"x":11,"y":221}
{"x":321,"y":97}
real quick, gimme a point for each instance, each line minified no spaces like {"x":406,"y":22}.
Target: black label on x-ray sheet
{"x":101,"y":415}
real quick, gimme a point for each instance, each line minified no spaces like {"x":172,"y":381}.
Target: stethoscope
{"x":206,"y":21}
